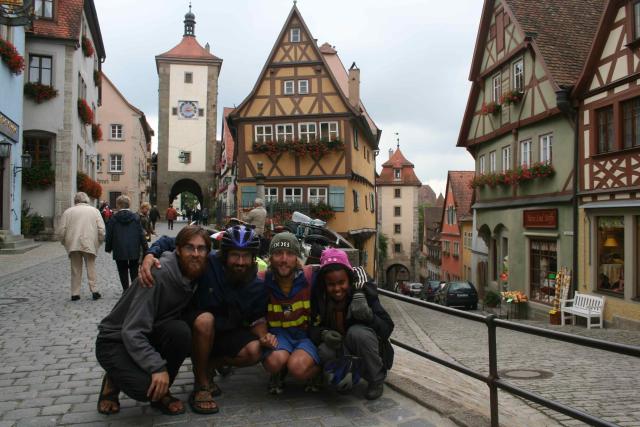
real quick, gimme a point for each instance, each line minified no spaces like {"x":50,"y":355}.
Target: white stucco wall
{"x":187,"y":134}
{"x":408,"y":197}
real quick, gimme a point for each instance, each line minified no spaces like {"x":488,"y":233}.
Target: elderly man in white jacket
{"x":81,"y":232}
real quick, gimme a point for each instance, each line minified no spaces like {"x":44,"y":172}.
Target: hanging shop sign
{"x":9,"y":128}
{"x":540,"y":219}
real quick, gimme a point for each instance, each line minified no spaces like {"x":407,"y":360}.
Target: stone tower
{"x":188,"y":106}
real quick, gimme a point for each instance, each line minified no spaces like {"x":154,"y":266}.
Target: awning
{"x":362,"y":232}
{"x":612,"y":204}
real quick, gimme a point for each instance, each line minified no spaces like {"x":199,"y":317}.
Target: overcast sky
{"x":414,"y":57}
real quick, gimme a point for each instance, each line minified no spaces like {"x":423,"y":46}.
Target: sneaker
{"x":374,"y":391}
{"x":96,"y":295}
{"x":314,"y":384}
{"x":75,"y":297}
{"x":276,"y":383}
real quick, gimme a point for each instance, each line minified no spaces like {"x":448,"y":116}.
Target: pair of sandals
{"x":166,"y":404}
{"x":204,"y":395}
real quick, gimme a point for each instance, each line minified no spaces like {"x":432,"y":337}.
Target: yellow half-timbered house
{"x":305,"y":124}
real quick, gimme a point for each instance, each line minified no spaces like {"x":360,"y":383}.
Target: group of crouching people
{"x":323,"y":325}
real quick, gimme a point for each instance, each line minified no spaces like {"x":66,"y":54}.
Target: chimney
{"x":207,"y":47}
{"x":354,"y":85}
{"x":390,"y":153}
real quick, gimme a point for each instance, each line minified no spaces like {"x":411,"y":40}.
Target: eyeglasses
{"x":190,"y":249}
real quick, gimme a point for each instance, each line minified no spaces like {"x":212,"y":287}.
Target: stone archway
{"x":397,"y":273}
{"x":186,"y":185}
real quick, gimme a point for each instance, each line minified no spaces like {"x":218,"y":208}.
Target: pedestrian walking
{"x":143,"y":213}
{"x":205,"y":216}
{"x":105,"y":211}
{"x":81,"y":232}
{"x":171,"y":215}
{"x":257,"y":217}
{"x":142,"y":343}
{"x":125,"y":238}
{"x":154,"y":216}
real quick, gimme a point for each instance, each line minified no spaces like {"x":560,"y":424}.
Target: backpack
{"x":342,"y":373}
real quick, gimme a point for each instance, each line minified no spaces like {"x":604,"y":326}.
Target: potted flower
{"x":39,"y":92}
{"x":87,"y":47}
{"x":96,"y":132}
{"x":492,"y":299}
{"x":322,"y":211}
{"x":88,"y":185}
{"x":491,"y":108}
{"x":40,"y":176}
{"x":85,"y":112}
{"x":554,"y":317}
{"x":511,"y":97}
{"x":10,"y":55}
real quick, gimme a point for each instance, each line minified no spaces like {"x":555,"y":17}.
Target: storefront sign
{"x":541,"y":218}
{"x":9,"y":128}
{"x":11,"y":2}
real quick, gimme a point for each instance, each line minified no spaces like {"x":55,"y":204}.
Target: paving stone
{"x":73,"y":398}
{"x":17,"y":414}
{"x":37,"y":422}
{"x":417,"y":423}
{"x":37,"y":402}
{"x":56,"y":409}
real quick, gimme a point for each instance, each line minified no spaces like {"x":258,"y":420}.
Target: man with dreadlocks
{"x":228,"y":311}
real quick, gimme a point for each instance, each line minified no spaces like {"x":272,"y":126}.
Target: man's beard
{"x":192,"y":268}
{"x":237,"y":278}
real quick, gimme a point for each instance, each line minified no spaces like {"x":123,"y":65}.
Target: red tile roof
{"x":563,"y":30}
{"x":66,"y":25}
{"x":188,"y":48}
{"x":407,"y":175}
{"x":460,"y":182}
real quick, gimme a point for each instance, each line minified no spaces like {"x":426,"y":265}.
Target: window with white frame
{"x":303,"y":87}
{"x":294,"y":35}
{"x":518,"y":75}
{"x":116,"y":131}
{"x":292,"y":195}
{"x":264,"y":133}
{"x":43,"y":9}
{"x":481,"y":169}
{"x":496,"y":88}
{"x":289,"y":87}
{"x":40,"y":69}
{"x":506,"y":158}
{"x":99,"y":162}
{"x":307,"y":131}
{"x":329,"y":131}
{"x":317,"y":195}
{"x":271,"y":195}
{"x":546,"y":142}
{"x":115,"y":163}
{"x":284,"y":132}
{"x":456,"y":249}
{"x":492,"y":161}
{"x":525,"y":152}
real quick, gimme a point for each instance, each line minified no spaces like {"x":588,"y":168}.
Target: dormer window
{"x":294,"y":36}
{"x":43,"y":9}
{"x":396,"y":173}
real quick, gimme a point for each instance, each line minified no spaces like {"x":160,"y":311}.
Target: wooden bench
{"x":583,"y":305}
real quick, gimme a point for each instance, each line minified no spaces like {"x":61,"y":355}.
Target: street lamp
{"x":26,"y":164}
{"x":5,"y":149}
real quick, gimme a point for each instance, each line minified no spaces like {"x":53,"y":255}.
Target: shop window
{"x":611,"y":254}
{"x":544,"y":265}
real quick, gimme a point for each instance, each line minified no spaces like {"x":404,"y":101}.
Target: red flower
{"x":85,"y":112}
{"x":87,"y":47}
{"x":10,"y":55}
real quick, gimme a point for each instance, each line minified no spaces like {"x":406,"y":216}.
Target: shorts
{"x":229,"y":343}
{"x":292,"y":340}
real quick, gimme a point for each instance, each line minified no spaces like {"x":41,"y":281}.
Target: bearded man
{"x":227,"y":314}
{"x":143,"y":341}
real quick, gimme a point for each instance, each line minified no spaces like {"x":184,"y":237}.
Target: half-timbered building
{"x":305,"y":125}
{"x":519,"y":127}
{"x":609,"y":172}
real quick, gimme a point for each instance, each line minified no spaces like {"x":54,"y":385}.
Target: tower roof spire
{"x":190,"y":23}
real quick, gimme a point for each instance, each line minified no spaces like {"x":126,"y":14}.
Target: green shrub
{"x":492,"y":299}
{"x":31,"y":223}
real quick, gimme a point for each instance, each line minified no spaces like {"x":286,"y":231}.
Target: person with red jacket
{"x":171,"y":215}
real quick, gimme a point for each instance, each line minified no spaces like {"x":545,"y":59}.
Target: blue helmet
{"x":240,"y":237}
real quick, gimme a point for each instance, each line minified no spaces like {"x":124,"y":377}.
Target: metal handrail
{"x":493,"y":380}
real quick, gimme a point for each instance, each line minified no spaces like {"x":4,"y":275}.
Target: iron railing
{"x":493,"y":380}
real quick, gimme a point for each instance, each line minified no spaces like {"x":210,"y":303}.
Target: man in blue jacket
{"x":227,"y":313}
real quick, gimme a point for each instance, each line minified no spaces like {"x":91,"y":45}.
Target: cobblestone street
{"x":49,"y":375}
{"x":597,"y":382}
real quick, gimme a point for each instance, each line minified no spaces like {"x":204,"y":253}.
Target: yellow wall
{"x":466,"y":227}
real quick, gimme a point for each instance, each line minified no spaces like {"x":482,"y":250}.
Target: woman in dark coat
{"x":125,"y":238}
{"x":348,"y":319}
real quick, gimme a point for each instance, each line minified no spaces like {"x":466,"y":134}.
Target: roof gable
{"x":459,"y":188}
{"x":188,"y":48}
{"x":407,"y":173}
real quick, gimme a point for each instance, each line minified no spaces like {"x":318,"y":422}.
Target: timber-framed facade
{"x":304,"y":121}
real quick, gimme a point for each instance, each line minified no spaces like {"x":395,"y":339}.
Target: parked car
{"x":430,"y":290}
{"x":415,"y":289}
{"x":458,"y":294}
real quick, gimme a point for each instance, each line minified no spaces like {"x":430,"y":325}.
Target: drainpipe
{"x":563,"y":100}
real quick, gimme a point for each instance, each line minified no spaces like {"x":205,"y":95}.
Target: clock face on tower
{"x":188,"y":109}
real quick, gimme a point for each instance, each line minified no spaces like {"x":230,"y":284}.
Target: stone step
{"x":20,"y":249}
{"x":7,"y":237}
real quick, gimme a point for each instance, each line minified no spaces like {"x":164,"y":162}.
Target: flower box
{"x":516,"y":176}
{"x":554,"y":317}
{"x":322,"y":211}
{"x":96,"y":132}
{"x":88,"y":185}
{"x":299,"y":148}
{"x":511,"y":97}
{"x":491,"y":108}
{"x":39,"y":92}
{"x":87,"y":47}
{"x":10,"y":55}
{"x":85,"y":112}
{"x":38,"y":177}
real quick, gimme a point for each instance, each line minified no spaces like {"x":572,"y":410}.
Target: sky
{"x":414,"y":58}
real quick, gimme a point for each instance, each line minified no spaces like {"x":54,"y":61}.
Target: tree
{"x":383,"y":244}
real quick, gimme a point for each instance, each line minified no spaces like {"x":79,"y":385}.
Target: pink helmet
{"x":334,"y":256}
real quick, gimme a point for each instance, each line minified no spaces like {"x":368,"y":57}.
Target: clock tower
{"x":187,"y":116}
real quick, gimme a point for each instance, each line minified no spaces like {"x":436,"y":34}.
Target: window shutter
{"x":248,"y":196}
{"x":336,"y":198}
